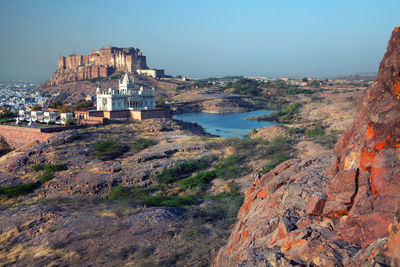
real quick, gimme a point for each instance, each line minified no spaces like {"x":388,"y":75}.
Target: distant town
{"x":17,"y":95}
{"x":20,"y":94}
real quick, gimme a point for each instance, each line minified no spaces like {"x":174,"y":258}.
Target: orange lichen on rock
{"x":337,"y":213}
{"x":370,"y":132}
{"x":377,"y":174}
{"x":291,"y":243}
{"x":245,"y":233}
{"x":380,"y":145}
{"x":246,"y":205}
{"x":366,"y":160}
{"x":397,"y":88}
{"x":263,"y":193}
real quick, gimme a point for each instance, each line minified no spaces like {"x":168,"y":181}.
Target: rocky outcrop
{"x":105,"y":235}
{"x":269,"y":133}
{"x":366,"y":184}
{"x":100,"y":63}
{"x":298,"y":214}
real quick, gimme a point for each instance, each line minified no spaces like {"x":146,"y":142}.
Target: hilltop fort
{"x":101,"y":63}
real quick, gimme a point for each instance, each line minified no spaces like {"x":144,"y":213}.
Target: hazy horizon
{"x":200,"y":39}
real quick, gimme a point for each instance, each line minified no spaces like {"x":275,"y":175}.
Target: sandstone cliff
{"x":306,"y":213}
{"x":100,"y":63}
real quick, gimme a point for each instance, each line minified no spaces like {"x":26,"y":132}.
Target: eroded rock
{"x":345,"y":216}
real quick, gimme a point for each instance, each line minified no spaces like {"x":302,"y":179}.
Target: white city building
{"x":24,"y":114}
{"x":50,"y":116}
{"x":37,"y":116}
{"x":65,"y":116}
{"x":126,"y":97}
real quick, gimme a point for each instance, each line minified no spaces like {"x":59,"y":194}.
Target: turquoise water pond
{"x":227,"y":124}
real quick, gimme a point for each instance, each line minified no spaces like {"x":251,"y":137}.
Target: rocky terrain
{"x":70,"y":92}
{"x":332,"y":210}
{"x":60,"y":203}
{"x":215,"y":101}
{"x":163,"y":192}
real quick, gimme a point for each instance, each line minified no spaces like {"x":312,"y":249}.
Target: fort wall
{"x":17,"y":137}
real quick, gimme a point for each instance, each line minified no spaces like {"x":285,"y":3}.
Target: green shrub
{"x":107,"y":150}
{"x":45,"y":178}
{"x":229,"y":167}
{"x":125,"y":193}
{"x":278,"y":143}
{"x":247,"y":148}
{"x":315,"y":132}
{"x":54,"y":167}
{"x":142,"y":143}
{"x":176,"y":173}
{"x":22,"y":189}
{"x":225,"y":197}
{"x":228,"y":161}
{"x":171,"y":201}
{"x":285,"y":115}
{"x":140,"y":196}
{"x":37,"y":167}
{"x":18,"y":190}
{"x":200,"y":179}
{"x":49,"y":168}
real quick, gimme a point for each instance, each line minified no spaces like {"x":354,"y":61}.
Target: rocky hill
{"x":72,"y":91}
{"x":333,"y":210}
{"x":100,"y":63}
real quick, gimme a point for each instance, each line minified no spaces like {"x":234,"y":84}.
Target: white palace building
{"x":127,"y":97}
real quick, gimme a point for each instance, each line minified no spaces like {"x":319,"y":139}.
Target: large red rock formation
{"x":300,"y":214}
{"x":366,"y":183}
{"x":100,"y":63}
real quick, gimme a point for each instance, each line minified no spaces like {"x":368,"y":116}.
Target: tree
{"x":69,"y":122}
{"x":55,"y":104}
{"x":83,"y":104}
{"x":36,"y":107}
{"x":6,"y":113}
{"x":305,"y":80}
{"x":64,"y":109}
{"x":160,"y":101}
{"x":315,"y":84}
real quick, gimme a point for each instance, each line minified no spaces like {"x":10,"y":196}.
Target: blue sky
{"x":201,"y":38}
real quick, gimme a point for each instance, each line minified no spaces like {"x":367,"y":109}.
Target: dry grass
{"x":119,"y":211}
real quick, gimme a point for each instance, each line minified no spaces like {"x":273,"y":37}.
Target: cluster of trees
{"x":65,"y":108}
{"x":160,"y":101}
{"x":251,"y":87}
{"x":245,"y":86}
{"x":195,"y":85}
{"x":60,"y":107}
{"x":83,"y":104}
{"x":6,"y":113}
